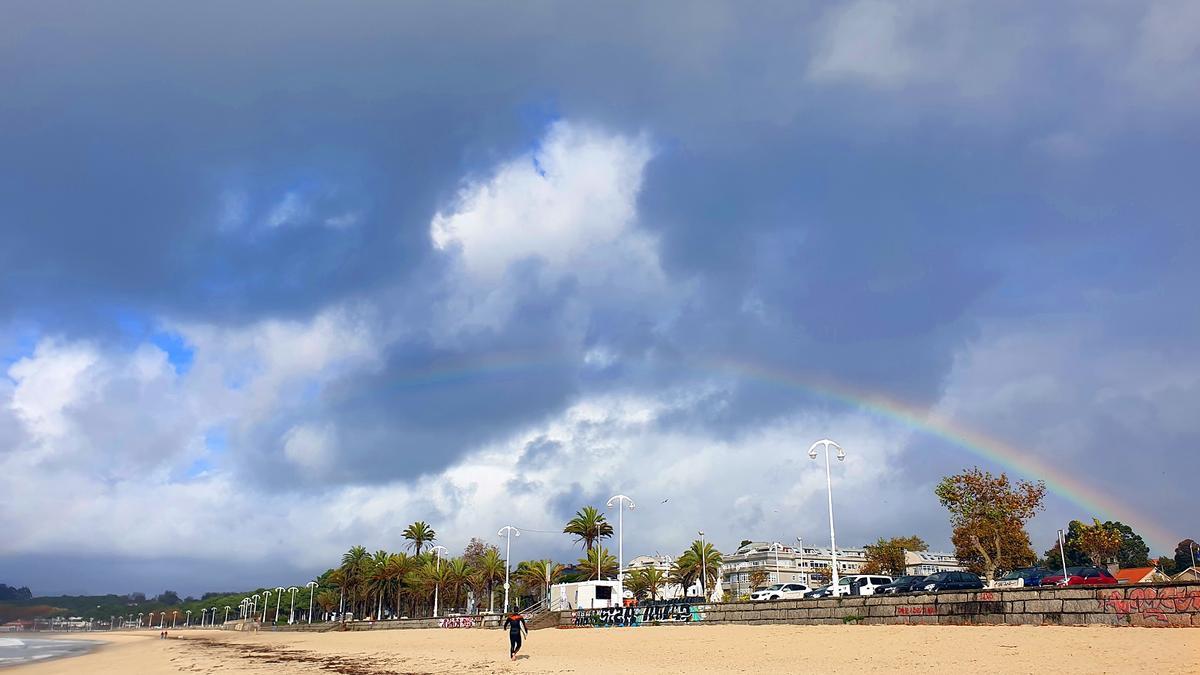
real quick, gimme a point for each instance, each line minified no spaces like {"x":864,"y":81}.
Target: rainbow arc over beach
{"x":1059,"y":480}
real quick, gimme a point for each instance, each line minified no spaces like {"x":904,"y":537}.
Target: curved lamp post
{"x":278,"y":601}
{"x":187,"y":620}
{"x":292,"y":610}
{"x":437,"y":554}
{"x":775,"y":546}
{"x":800,"y":563}
{"x":312,"y":589}
{"x":703,"y":565}
{"x":621,"y":500}
{"x":507,"y":531}
{"x":227,"y":608}
{"x":841,"y":455}
{"x":266,"y":605}
{"x":174,"y":613}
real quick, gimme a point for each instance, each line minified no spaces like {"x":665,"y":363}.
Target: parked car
{"x":951,"y":581}
{"x":905,"y":584}
{"x":820,"y":592}
{"x":860,"y":584}
{"x":780,"y":592}
{"x":1081,"y":576}
{"x":1026,"y":576}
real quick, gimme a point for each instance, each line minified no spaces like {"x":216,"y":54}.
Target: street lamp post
{"x":778,"y":575}
{"x":266,"y":605}
{"x":253,"y":605}
{"x":292,"y":610}
{"x":187,"y":619}
{"x":312,"y":588}
{"x":437,"y":551}
{"x":227,"y":608}
{"x":800,"y":563}
{"x":621,"y":501}
{"x":1062,"y":552}
{"x":703,"y":566}
{"x":841,"y":455}
{"x":174,"y":613}
{"x":278,"y":601}
{"x":507,"y":531}
{"x":1192,"y":550}
{"x":212,"y":619}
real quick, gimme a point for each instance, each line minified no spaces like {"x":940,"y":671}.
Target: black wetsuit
{"x":515,"y":623}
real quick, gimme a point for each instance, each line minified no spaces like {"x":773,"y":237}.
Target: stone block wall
{"x":1159,"y":605}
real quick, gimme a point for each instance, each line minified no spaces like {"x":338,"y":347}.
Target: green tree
{"x":1187,"y":551}
{"x":655,"y":579}
{"x":988,"y":514}
{"x":491,"y":571}
{"x":635,"y":583}
{"x":1099,"y":542}
{"x":354,"y":563}
{"x":701,"y":562}
{"x":540,"y":575}
{"x":597,"y":559}
{"x":589,"y":527}
{"x":418,"y":534}
{"x":886,"y":556}
{"x":758,"y":579}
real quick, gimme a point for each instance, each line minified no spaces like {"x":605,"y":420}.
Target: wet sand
{"x":651,"y":650}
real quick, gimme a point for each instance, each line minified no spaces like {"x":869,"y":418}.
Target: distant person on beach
{"x":515,"y":623}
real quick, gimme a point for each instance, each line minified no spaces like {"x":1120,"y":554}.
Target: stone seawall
{"x":449,"y":622}
{"x":1157,"y":605}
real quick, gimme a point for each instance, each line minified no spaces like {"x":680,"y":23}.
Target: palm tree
{"x":654,"y":578}
{"x":682,"y":574}
{"x":597,"y":559}
{"x":540,"y":575}
{"x":418,"y":534}
{"x":491,"y":569}
{"x":457,"y":573}
{"x":589,"y":526}
{"x":377,"y":580}
{"x":397,"y":566}
{"x":353,"y":563}
{"x":432,"y":576}
{"x":328,"y":600}
{"x":635,"y":582}
{"x":701,"y":561}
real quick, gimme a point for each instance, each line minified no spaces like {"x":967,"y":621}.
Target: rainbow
{"x":1028,"y":465}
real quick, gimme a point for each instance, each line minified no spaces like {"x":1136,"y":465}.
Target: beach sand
{"x":651,"y":650}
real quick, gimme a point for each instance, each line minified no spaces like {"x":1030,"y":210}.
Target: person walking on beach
{"x":515,"y":623}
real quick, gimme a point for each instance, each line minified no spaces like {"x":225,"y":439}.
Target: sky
{"x":281,"y":278}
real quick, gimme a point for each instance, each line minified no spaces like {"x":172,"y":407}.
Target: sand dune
{"x":651,"y":650}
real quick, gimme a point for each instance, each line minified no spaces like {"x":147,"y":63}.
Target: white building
{"x":663,"y":564}
{"x":586,"y":595}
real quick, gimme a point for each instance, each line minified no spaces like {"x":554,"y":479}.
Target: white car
{"x":860,"y":584}
{"x":780,"y":592}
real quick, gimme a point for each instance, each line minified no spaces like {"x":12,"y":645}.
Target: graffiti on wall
{"x":615,"y":617}
{"x":458,"y":622}
{"x":916,"y":610}
{"x":1152,"y":603}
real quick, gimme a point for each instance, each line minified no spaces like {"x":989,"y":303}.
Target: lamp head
{"x":841,"y":455}
{"x":812,"y":452}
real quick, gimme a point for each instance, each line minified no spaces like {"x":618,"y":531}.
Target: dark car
{"x":950,"y":581}
{"x":1024,"y":577}
{"x":821,"y":592}
{"x":904,"y":584}
{"x":1081,"y":576}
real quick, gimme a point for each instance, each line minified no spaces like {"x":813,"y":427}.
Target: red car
{"x":1081,"y":576}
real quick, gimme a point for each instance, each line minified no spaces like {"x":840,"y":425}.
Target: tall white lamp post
{"x":437,"y":554}
{"x":621,"y":500}
{"x":312,"y":589}
{"x":227,"y":608}
{"x":507,"y":531}
{"x":212,"y":620}
{"x":800,"y":563}
{"x":841,"y":455}
{"x":703,"y":566}
{"x":292,"y":610}
{"x":266,"y":606}
{"x":278,"y":601}
{"x":775,"y":546}
{"x":1062,"y":552}
{"x":187,"y":619}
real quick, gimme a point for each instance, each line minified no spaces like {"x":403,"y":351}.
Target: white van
{"x":859,"y":584}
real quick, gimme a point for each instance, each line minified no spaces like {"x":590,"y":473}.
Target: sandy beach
{"x":650,"y":650}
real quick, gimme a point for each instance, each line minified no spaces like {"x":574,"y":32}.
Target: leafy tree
{"x":589,"y":527}
{"x":1074,"y":553}
{"x":886,"y":556}
{"x":12,"y":593}
{"x":418,"y":534}
{"x":1099,"y":542}
{"x":989,"y":514}
{"x":1166,"y":565}
{"x":655,"y":579}
{"x":744,"y":542}
{"x":169,"y":598}
{"x":635,"y":582}
{"x":758,"y":579}
{"x":491,"y":571}
{"x":1133,"y":552}
{"x":1184,"y":553}
{"x":597,"y":559}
